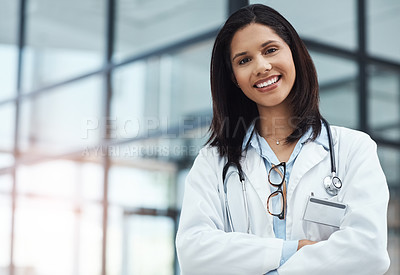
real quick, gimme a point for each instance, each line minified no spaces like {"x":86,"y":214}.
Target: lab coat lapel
{"x":255,"y":171}
{"x":310,"y":155}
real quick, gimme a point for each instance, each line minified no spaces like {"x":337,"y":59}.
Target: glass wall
{"x":7,"y":127}
{"x":382,"y":24}
{"x":384,"y":105}
{"x":64,"y":39}
{"x":8,"y":82}
{"x":58,"y":218}
{"x":338,"y":89}
{"x":330,"y":22}
{"x":5,"y":220}
{"x":145,"y":26}
{"x":61,"y":120}
{"x":94,"y":149}
{"x":384,"y":94}
{"x":8,"y":48}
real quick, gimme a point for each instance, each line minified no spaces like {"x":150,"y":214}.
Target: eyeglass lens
{"x":275,"y":203}
{"x":276,"y":175}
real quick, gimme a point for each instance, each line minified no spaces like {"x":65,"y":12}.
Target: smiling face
{"x":262,"y":65}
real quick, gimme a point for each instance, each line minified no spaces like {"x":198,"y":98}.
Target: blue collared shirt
{"x":264,"y":150}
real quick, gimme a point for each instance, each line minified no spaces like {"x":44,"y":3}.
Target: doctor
{"x":256,"y":201}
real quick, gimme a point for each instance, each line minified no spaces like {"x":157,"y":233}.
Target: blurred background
{"x":104,"y":105}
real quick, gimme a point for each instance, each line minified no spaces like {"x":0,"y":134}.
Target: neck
{"x":275,"y":123}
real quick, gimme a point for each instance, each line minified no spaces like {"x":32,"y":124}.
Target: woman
{"x":248,"y":206}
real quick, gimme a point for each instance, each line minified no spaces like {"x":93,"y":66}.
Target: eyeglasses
{"x":277,"y":179}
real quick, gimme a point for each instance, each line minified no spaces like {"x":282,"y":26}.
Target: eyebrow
{"x":262,"y":46}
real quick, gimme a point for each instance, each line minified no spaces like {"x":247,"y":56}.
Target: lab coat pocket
{"x":315,"y":231}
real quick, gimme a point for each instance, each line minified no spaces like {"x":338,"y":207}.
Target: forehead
{"x":253,"y":35}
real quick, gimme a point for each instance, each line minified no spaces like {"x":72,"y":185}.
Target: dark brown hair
{"x":233,"y":112}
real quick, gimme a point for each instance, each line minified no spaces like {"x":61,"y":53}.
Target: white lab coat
{"x":358,"y":247}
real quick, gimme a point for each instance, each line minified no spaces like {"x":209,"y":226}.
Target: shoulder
{"x":344,"y":131}
{"x":206,"y":171}
{"x":347,"y":137}
{"x":209,"y":154}
{"x":208,"y":160}
{"x":355,"y":146}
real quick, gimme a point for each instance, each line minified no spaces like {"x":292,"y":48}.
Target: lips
{"x":267,"y":81}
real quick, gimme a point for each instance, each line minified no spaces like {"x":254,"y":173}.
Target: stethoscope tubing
{"x":245,"y":200}
{"x":331,"y":147}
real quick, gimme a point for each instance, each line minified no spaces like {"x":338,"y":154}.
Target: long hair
{"x":233,"y":112}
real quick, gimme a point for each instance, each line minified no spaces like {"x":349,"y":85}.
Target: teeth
{"x":267,"y":83}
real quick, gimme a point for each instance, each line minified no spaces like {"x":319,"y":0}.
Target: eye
{"x":271,"y":50}
{"x":244,"y":60}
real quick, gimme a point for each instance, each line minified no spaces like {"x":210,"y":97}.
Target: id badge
{"x":324,"y":211}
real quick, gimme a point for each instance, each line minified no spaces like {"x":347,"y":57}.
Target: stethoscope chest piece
{"x":332,"y":185}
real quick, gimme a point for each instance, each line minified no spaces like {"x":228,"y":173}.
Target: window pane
{"x":44,"y":233}
{"x":190,"y":81}
{"x":390,"y":161}
{"x":143,"y":26}
{"x":115,"y":240}
{"x":63,"y":119}
{"x":133,"y":187}
{"x":331,"y":22}
{"x":338,"y":90}
{"x":62,"y":179}
{"x":383,"y":23}
{"x":384,"y":103}
{"x":394,"y":252}
{"x":90,"y":240}
{"x":5,"y":222}
{"x":5,"y":232}
{"x":149,"y":238}
{"x":8,"y":48}
{"x":7,"y":113}
{"x":89,"y":179}
{"x":6,"y":181}
{"x":59,"y":198}
{"x":339,"y":105}
{"x":43,"y":228}
{"x":64,"y":39}
{"x":162,"y":92}
{"x":128,"y":101}
{"x":147,"y":243}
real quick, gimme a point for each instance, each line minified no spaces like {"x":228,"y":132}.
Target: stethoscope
{"x":332,"y":182}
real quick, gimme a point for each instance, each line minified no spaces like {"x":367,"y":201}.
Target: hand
{"x":304,"y":242}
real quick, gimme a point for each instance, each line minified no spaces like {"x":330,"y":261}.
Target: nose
{"x":262,"y":65}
